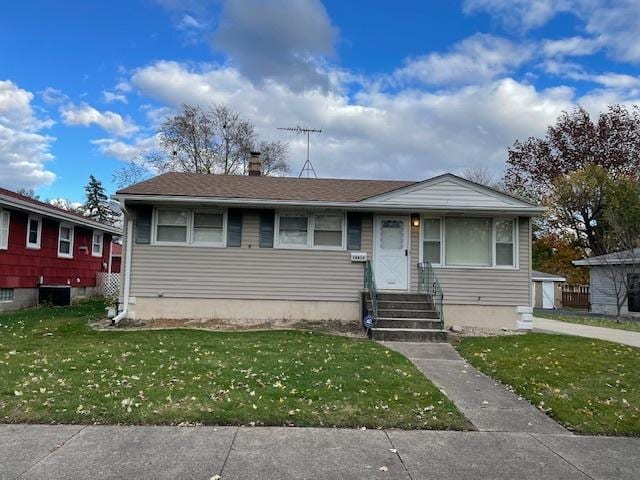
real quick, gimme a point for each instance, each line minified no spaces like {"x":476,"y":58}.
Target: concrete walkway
{"x":485,"y":402}
{"x":116,"y":452}
{"x":611,"y":334}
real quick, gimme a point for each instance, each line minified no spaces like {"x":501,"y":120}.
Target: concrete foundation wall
{"x":28,"y":297}
{"x":283,"y":311}
{"x":607,"y":309}
{"x":22,"y":298}
{"x":245,"y":311}
{"x":483,"y":316}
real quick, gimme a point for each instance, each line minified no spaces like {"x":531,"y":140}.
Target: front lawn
{"x":594,"y":321}
{"x":56,"y":369}
{"x":589,"y":386}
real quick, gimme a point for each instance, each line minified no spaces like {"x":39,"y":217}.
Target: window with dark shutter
{"x":266,"y":228}
{"x":354,"y":231}
{"x":143,"y":225}
{"x":234,"y":228}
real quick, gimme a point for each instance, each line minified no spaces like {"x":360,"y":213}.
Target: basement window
{"x":6,"y":295}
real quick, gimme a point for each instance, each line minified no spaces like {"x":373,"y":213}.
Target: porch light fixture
{"x":415,"y":219}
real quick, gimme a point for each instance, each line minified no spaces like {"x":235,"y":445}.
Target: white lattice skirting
{"x":108,"y":284}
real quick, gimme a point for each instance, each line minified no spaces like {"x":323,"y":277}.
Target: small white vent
{"x":358,"y":256}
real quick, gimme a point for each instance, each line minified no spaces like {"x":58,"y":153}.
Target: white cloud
{"x":615,"y":25}
{"x":189,"y":22}
{"x":520,"y":14}
{"x":617,"y":80}
{"x":478,"y":58}
{"x":85,"y":115}
{"x":53,"y":96}
{"x":285,"y":40}
{"x":123,"y":150}
{"x":110,"y":97}
{"x":571,"y":46}
{"x":24,"y":150}
{"x":405,"y":134}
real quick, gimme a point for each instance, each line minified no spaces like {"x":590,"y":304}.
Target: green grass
{"x":592,"y":320}
{"x":589,"y":386}
{"x":56,"y":369}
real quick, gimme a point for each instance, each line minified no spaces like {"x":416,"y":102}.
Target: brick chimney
{"x":255,"y":165}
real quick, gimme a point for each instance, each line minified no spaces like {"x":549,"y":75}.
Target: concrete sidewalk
{"x":116,"y":452}
{"x":485,"y":402}
{"x":625,"y":337}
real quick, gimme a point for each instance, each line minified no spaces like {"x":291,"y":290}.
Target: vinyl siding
{"x":485,"y":286}
{"x":603,"y":287}
{"x":447,"y":193}
{"x":248,"y":272}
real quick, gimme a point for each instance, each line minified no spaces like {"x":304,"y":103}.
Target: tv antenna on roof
{"x":307,"y":168}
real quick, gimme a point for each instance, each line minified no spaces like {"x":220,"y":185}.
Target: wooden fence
{"x":576,"y":296}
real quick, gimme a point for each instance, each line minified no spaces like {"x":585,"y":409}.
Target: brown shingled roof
{"x":271,"y":188}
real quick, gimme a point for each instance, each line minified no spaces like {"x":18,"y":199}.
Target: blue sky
{"x":403,"y":89}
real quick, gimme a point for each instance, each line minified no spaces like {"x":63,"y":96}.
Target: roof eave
{"x":526,"y":211}
{"x":58,"y":215}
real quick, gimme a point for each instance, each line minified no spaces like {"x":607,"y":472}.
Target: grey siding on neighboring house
{"x":603,"y":288}
{"x":465,"y":286}
{"x":248,"y":272}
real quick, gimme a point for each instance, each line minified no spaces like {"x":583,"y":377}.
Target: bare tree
{"x":135,"y":171}
{"x":28,"y":192}
{"x":216,"y":140}
{"x":480,"y":174}
{"x":274,"y":157}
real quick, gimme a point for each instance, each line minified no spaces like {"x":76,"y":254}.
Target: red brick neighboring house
{"x":116,"y":257}
{"x":44,"y":245}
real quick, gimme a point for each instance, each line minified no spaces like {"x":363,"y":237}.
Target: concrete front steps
{"x":406,"y":317}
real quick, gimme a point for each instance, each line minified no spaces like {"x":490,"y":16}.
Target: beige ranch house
{"x":257,"y":248}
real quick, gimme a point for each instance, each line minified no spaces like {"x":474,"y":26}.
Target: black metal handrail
{"x":370,"y":286}
{"x":428,"y":284}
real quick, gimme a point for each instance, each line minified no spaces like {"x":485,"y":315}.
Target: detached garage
{"x":546,"y":290}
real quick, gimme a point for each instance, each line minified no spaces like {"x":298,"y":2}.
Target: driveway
{"x":625,"y":337}
{"x":114,"y":452}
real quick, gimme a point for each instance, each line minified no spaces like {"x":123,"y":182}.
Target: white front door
{"x":548,"y":295}
{"x":391,"y":252}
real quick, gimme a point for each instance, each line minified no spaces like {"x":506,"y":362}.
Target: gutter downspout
{"x":127,"y":270}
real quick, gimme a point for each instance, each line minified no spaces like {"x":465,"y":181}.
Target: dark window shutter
{"x":354,"y":231}
{"x":142,"y":230}
{"x":234,"y":228}
{"x":266,"y":228}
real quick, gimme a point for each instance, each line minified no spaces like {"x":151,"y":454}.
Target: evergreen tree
{"x":97,"y":203}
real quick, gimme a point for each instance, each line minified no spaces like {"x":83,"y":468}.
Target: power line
{"x":307,"y":168}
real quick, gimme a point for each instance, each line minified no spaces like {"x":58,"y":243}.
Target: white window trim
{"x":2,"y":227}
{"x":37,"y":218}
{"x":190,"y":242}
{"x":13,"y":295}
{"x":422,"y":240}
{"x":71,"y":239}
{"x":493,"y":266}
{"x":310,"y":231}
{"x":514,"y":236}
{"x":101,"y":235}
{"x":221,"y":244}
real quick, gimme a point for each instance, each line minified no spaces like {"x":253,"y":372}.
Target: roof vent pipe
{"x":255,"y":165}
